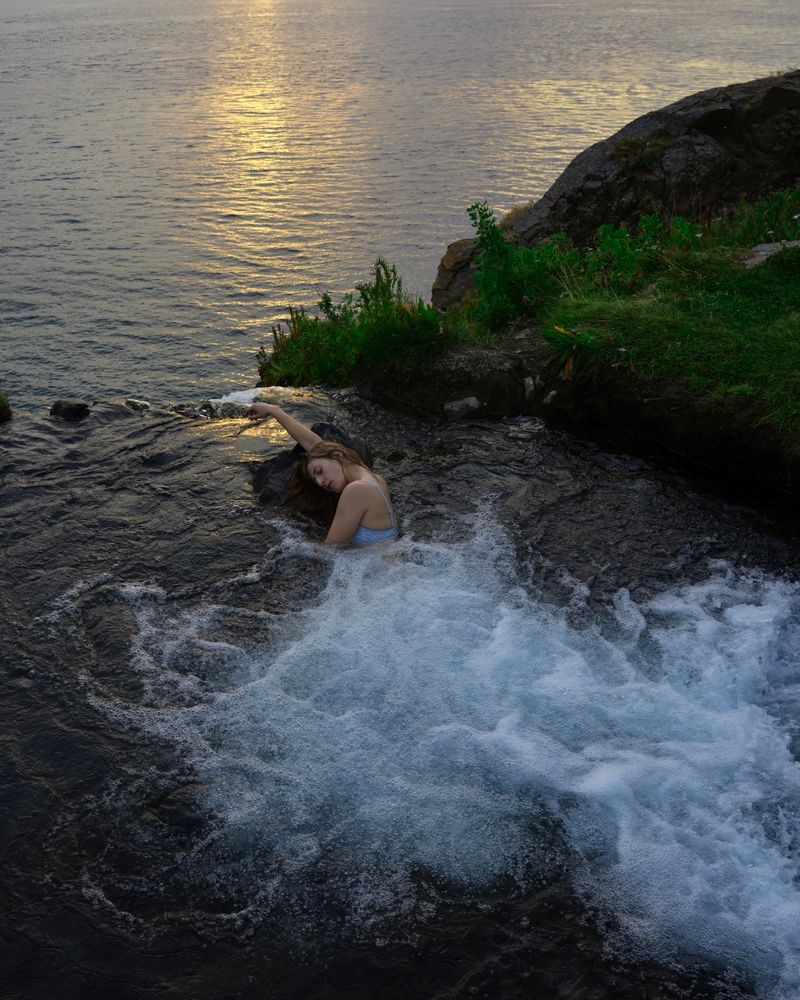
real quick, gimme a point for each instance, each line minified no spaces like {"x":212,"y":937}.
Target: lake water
{"x":174,"y":175}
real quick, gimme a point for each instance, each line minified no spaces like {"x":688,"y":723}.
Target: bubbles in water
{"x":429,"y":715}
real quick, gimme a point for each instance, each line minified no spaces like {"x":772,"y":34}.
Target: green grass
{"x":663,"y":303}
{"x":669,"y":301}
{"x":376,"y":330}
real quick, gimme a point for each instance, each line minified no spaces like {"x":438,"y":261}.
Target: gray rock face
{"x":766,"y":250}
{"x":458,"y":408}
{"x":691,"y":158}
{"x":70,"y":409}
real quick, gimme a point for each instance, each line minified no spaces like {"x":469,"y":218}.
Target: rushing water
{"x":429,"y":714}
{"x":560,"y":716}
{"x":175,"y":174}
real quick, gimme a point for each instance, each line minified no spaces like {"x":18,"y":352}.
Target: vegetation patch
{"x":666,"y":302}
{"x":376,"y":330}
{"x":670,"y":301}
{"x":5,"y":409}
{"x":642,"y":153}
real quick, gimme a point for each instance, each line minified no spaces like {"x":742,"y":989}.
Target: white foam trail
{"x":242,"y":396}
{"x":429,"y":713}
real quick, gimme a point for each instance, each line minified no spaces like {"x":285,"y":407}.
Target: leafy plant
{"x":376,"y":328}
{"x":768,"y":220}
{"x":512,"y":281}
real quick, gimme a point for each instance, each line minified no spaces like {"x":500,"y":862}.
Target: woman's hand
{"x":303,"y":435}
{"x":256,"y":411}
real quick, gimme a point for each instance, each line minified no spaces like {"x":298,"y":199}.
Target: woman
{"x":363,"y":514}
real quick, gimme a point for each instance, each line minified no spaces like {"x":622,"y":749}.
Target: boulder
{"x":693,"y":158}
{"x":70,"y":409}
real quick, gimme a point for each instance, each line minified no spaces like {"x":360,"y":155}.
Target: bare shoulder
{"x":362,"y":492}
{"x":366,"y":487}
{"x":357,"y":492}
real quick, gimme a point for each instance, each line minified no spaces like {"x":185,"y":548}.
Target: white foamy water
{"x":429,"y":713}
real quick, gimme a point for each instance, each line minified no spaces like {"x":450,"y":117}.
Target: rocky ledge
{"x":617,"y":410}
{"x":691,"y":158}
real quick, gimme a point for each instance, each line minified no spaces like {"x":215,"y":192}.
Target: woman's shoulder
{"x":366,"y":488}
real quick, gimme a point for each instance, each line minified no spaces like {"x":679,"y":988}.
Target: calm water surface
{"x":175,"y":175}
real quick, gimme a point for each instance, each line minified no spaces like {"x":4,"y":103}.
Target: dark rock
{"x":692,"y":158}
{"x":618,"y":410}
{"x":70,"y":409}
{"x":495,"y":378}
{"x":271,"y":478}
{"x":454,"y":278}
{"x":139,"y":405}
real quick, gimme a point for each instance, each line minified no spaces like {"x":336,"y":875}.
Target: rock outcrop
{"x":71,"y":409}
{"x":691,"y":158}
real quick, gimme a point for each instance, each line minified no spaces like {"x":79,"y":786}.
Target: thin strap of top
{"x":388,"y":505}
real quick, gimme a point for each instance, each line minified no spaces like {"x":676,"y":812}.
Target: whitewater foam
{"x":430,"y":714}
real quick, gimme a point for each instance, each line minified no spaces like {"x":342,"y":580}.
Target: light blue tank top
{"x":368,"y":536}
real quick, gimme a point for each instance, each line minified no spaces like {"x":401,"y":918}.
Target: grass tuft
{"x":377,"y":329}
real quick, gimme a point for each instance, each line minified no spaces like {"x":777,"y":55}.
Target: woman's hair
{"x":304,"y":494}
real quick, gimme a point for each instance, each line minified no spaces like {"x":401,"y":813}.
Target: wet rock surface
{"x":111,"y":878}
{"x":665,"y":420}
{"x":71,"y":409}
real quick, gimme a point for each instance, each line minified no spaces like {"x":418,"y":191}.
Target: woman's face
{"x":328,"y":474}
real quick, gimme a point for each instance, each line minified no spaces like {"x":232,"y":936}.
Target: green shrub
{"x":513,"y":281}
{"x":767,"y":220}
{"x":664,"y":301}
{"x":377,"y":328}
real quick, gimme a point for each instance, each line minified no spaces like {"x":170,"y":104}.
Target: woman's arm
{"x":352,"y":506}
{"x":303,"y":435}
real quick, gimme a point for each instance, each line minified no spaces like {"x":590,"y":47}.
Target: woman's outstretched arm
{"x":303,"y":435}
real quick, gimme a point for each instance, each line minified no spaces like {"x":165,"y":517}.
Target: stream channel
{"x":544,"y":746}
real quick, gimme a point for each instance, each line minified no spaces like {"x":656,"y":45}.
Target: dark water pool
{"x":545,"y":746}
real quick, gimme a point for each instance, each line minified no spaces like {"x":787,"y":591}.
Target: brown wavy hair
{"x":304,"y":494}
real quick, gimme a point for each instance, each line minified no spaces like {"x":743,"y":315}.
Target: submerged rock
{"x":5,"y":410}
{"x":209,"y":409}
{"x":692,"y":158}
{"x":70,"y":409}
{"x":139,"y":405}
